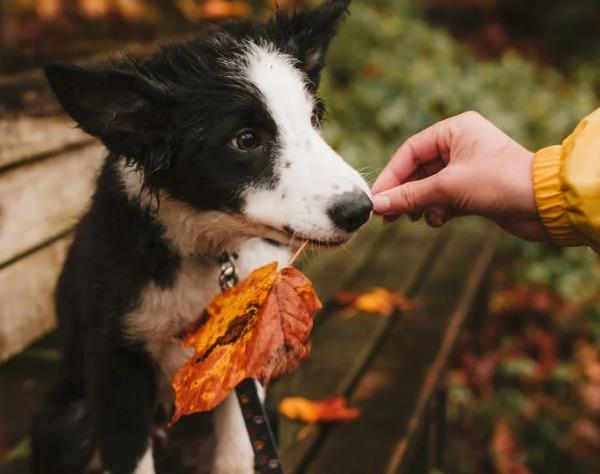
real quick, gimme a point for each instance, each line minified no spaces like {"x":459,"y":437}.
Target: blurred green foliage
{"x":391,"y":74}
{"x":572,"y":273}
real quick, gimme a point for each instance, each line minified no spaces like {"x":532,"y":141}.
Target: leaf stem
{"x":298,"y":252}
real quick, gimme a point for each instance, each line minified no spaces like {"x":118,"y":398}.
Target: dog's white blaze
{"x":310,"y":173}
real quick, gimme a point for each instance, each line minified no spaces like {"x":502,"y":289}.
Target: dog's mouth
{"x":292,"y":238}
{"x":288,"y":236}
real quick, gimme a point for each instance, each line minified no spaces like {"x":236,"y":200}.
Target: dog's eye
{"x":246,"y":140}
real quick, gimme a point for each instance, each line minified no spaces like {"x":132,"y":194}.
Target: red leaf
{"x":260,"y":329}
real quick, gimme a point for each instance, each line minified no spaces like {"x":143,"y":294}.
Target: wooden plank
{"x":26,"y":292}
{"x":26,"y":138}
{"x":396,"y":389}
{"x":32,"y":123}
{"x":44,"y":199}
{"x":27,"y":94}
{"x":342,"y":344}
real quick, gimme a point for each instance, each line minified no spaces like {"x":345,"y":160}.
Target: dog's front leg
{"x":124,"y":403}
{"x":233,"y":451}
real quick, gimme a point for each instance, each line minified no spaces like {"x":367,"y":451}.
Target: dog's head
{"x":226,"y":127}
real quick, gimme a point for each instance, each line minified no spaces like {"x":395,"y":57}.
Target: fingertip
{"x":381,"y":203}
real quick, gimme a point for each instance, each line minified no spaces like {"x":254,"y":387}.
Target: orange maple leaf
{"x":314,"y":411}
{"x":378,"y":300}
{"x":260,"y":328}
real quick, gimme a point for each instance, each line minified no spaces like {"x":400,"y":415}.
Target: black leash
{"x":266,"y":459}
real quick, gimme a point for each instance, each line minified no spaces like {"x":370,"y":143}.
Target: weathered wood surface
{"x":47,"y":171}
{"x":32,"y":124}
{"x":26,"y":293}
{"x":402,"y":256}
{"x":395,"y":391}
{"x":44,"y":199}
{"x":436,"y":267}
{"x":28,"y":138}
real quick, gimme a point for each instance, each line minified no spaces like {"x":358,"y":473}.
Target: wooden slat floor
{"x":388,"y":366}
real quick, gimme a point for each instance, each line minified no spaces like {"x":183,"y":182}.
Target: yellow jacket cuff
{"x":549,"y":196}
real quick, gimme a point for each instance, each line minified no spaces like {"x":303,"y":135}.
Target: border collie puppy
{"x":213,"y":145}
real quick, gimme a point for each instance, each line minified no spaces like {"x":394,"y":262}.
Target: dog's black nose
{"x":351,"y":210}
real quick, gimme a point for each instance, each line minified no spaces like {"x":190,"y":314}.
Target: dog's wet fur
{"x":213,"y":145}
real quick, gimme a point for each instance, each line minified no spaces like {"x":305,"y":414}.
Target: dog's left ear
{"x":126,"y":110}
{"x":307,"y":34}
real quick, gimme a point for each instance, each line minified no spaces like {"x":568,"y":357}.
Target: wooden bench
{"x":47,"y":167}
{"x":390,"y":367}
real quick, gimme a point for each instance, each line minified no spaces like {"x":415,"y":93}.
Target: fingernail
{"x":381,"y":203}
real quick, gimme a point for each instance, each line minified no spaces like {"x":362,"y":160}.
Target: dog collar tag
{"x":228,"y":277}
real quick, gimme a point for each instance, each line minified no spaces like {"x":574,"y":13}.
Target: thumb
{"x":411,"y":197}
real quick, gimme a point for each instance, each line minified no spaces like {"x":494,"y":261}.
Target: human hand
{"x":459,"y":166}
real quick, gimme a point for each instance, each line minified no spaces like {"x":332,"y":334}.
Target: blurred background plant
{"x":525,"y":385}
{"x":525,"y":381}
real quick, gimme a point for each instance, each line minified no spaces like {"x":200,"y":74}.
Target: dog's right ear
{"x":124,"y":109}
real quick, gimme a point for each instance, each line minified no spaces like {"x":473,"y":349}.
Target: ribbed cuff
{"x":549,"y":197}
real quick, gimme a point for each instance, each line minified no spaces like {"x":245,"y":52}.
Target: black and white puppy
{"x":214,"y":146}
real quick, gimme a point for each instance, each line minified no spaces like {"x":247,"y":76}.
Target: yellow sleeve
{"x":567,"y":186}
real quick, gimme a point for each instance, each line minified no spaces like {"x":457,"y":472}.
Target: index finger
{"x":428,"y":145}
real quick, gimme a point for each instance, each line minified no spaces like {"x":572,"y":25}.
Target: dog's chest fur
{"x":162,"y":313}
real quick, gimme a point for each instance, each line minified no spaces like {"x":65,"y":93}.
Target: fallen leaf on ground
{"x":258,"y":329}
{"x":378,"y":300}
{"x":315,"y":411}
{"x":506,"y":453}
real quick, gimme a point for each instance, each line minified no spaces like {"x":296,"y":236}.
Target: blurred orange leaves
{"x":506,"y":453}
{"x":135,"y":9}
